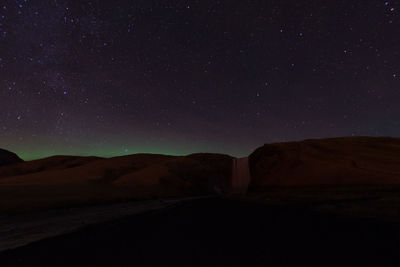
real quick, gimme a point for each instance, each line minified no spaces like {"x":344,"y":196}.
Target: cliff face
{"x":336,"y":161}
{"x":7,"y":157}
{"x":204,"y":172}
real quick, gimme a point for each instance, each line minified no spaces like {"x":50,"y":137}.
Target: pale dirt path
{"x":240,"y":175}
{"x":20,"y":230}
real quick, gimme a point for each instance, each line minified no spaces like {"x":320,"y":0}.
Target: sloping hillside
{"x":336,"y":161}
{"x":46,"y":164}
{"x":65,"y":181}
{"x":7,"y":157}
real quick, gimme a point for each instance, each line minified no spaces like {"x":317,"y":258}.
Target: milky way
{"x":119,"y":77}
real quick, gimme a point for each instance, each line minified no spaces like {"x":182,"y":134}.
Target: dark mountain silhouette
{"x":7,"y":157}
{"x":329,"y":200}
{"x":335,"y":161}
{"x":67,"y":180}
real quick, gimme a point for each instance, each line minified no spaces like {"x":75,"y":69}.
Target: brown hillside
{"x":40,"y":165}
{"x":66,"y":181}
{"x":336,"y":161}
{"x":84,"y":170}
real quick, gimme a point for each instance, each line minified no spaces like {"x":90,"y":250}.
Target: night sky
{"x":119,"y":77}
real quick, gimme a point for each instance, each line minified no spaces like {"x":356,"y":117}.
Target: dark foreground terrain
{"x":222,"y":232}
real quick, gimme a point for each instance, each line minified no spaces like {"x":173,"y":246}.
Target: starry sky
{"x":116,"y":77}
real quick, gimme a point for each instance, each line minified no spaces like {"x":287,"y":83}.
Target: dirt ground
{"x":226,"y":232}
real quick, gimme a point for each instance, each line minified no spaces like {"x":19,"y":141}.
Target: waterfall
{"x":240,"y":175}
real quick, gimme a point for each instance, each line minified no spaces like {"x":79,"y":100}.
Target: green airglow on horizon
{"x":31,"y":148}
{"x":34,"y":153}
